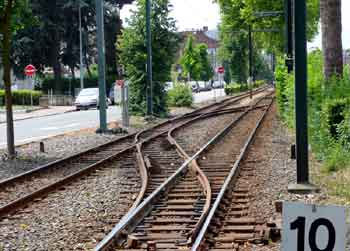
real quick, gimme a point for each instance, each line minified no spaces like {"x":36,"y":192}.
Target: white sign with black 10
{"x":313,"y":228}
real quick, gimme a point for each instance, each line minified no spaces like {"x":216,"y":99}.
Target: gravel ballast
{"x":78,"y":216}
{"x":29,"y":155}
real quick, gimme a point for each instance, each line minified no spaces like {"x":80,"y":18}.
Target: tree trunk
{"x":6,"y":48}
{"x":56,"y":63}
{"x":332,"y":37}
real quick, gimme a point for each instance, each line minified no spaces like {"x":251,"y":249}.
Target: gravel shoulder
{"x":274,"y":171}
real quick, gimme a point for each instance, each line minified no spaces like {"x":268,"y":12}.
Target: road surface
{"x":39,"y":128}
{"x":43,"y":127}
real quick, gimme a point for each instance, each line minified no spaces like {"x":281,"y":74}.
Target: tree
{"x":133,"y":55}
{"x":12,"y":16}
{"x":195,"y":61}
{"x":54,"y":39}
{"x":238,"y":15}
{"x":189,"y":60}
{"x":332,"y":37}
{"x":205,"y":70}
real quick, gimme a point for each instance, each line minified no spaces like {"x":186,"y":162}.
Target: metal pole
{"x":101,"y":64}
{"x":81,"y":50}
{"x":289,"y":34}
{"x":149,"y":59}
{"x":250,"y":60}
{"x":301,"y":92}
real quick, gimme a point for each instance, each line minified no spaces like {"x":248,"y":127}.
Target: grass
{"x":335,"y":184}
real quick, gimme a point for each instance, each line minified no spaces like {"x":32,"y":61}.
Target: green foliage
{"x":235,"y":88}
{"x":328,"y":106}
{"x":189,"y":60}
{"x":180,"y":96}
{"x":67,"y":85}
{"x":22,"y":97}
{"x":133,"y":55}
{"x":237,"y":16}
{"x":52,"y":40}
{"x":205,"y":70}
{"x":195,"y":61}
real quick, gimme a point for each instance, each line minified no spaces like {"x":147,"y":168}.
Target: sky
{"x":194,"y":14}
{"x":190,"y":14}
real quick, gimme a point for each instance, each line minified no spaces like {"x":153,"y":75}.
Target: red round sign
{"x":120,"y":83}
{"x":30,"y":70}
{"x":221,"y":70}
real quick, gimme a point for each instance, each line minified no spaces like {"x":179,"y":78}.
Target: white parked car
{"x":88,"y":98}
{"x":218,"y":84}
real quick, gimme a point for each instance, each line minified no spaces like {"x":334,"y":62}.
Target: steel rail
{"x":131,"y":137}
{"x":231,"y":177}
{"x":200,"y":175}
{"x":203,"y":179}
{"x":132,"y":218}
{"x":20,"y":202}
{"x":220,"y":105}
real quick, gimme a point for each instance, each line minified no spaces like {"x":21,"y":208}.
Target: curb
{"x":32,"y":117}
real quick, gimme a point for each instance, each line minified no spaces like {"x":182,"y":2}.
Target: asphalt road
{"x":38,"y":128}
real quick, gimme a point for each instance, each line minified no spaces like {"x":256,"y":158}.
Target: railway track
{"x":171,"y":217}
{"x":134,"y":164}
{"x":19,"y":190}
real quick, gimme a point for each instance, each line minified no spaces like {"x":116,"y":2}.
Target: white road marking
{"x":54,"y":128}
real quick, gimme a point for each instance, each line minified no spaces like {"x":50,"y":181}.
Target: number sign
{"x":313,"y":228}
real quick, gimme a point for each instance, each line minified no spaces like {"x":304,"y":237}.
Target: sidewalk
{"x":52,"y":110}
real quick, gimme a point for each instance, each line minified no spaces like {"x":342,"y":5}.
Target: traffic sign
{"x":30,"y":70}
{"x":120,"y":83}
{"x":221,"y":70}
{"x":312,"y":228}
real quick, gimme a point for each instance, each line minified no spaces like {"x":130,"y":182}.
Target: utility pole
{"x":149,"y":59}
{"x":250,"y":42}
{"x":302,"y":146}
{"x":289,"y":34}
{"x":81,"y":50}
{"x":101,"y":64}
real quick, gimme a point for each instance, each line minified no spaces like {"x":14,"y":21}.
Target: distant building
{"x":208,"y":37}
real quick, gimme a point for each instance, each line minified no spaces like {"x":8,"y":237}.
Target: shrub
{"x":180,"y":96}
{"x":328,"y":111}
{"x":235,"y":88}
{"x":258,"y":83}
{"x":22,"y":97}
{"x":333,"y":114}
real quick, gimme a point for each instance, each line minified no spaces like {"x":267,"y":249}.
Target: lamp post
{"x":149,"y":59}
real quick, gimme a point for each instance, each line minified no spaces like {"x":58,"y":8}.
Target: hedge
{"x":180,"y":96}
{"x":236,"y":88}
{"x":22,"y":97}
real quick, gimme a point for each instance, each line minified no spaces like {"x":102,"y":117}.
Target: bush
{"x":333,"y":113}
{"x":235,"y":88}
{"x":328,"y":111}
{"x":180,"y":96}
{"x":22,"y":97}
